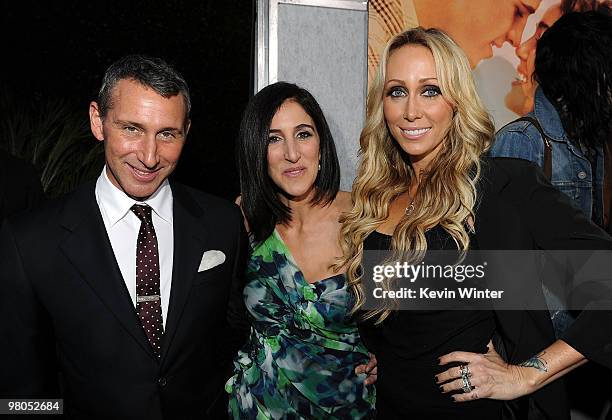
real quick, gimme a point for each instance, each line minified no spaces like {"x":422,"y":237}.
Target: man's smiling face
{"x":143,"y":133}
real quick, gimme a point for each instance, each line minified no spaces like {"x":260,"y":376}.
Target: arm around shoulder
{"x":238,"y":202}
{"x":238,"y":325}
{"x":344,"y":201}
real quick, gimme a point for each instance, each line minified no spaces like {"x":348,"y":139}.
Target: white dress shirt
{"x":122,"y":227}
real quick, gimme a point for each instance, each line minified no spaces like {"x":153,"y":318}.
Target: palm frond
{"x":54,"y":138}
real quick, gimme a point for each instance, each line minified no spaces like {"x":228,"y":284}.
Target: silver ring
{"x":465,"y":370}
{"x":467,"y":385}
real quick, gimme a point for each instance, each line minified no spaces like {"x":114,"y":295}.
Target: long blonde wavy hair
{"x":447,"y":192}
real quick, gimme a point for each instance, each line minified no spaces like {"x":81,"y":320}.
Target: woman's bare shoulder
{"x":343,"y":201}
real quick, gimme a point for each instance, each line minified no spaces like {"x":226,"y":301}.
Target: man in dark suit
{"x":128,"y":286}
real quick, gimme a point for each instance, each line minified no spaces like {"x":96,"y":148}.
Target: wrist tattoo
{"x":536,"y":362}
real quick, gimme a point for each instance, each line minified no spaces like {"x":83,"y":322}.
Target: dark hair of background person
{"x":573,"y":66}
{"x":20,"y":188}
{"x":260,"y":203}
{"x":151,"y":72}
{"x":568,"y":6}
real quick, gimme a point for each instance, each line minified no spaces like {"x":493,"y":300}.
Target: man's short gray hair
{"x":151,"y":72}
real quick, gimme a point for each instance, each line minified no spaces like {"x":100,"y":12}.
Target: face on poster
{"x":498,"y":36}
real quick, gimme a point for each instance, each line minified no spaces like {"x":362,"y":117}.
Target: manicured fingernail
{"x":436,"y":378}
{"x":454,"y":399}
{"x":441,"y":388}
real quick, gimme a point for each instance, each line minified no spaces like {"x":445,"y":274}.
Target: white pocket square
{"x":211,"y":259}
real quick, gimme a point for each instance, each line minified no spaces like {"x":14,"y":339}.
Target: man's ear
{"x":95,"y":121}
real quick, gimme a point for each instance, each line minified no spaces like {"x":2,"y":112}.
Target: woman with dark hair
{"x":424,"y":184}
{"x":521,"y":97}
{"x":304,"y":348}
{"x":567,"y":136}
{"x":573,"y":67}
{"x":573,"y":106}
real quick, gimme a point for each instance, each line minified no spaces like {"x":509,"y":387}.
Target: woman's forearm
{"x":550,"y":364}
{"x":489,"y":376}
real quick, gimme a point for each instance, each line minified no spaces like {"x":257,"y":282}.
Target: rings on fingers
{"x":467,"y":385}
{"x":465,"y":378}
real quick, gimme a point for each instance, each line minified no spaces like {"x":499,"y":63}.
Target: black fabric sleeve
{"x":236,"y":328}
{"x":28,"y":352}
{"x":371,"y":336}
{"x":557,"y":225}
{"x":237,"y":318}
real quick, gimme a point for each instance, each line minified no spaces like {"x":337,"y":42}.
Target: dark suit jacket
{"x":64,"y":306}
{"x":20,"y":187}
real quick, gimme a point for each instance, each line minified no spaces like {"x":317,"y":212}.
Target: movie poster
{"x":498,"y":36}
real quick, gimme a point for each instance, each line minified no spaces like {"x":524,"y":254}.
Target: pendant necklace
{"x":410,"y":209}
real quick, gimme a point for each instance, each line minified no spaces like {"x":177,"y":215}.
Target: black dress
{"x":408,"y":344}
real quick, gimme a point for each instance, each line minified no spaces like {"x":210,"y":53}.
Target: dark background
{"x":54,"y":54}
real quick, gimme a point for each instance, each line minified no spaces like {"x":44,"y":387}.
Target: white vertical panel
{"x":322,"y":46}
{"x":262,"y":44}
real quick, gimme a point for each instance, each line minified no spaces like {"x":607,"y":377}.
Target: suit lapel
{"x":189,"y":243}
{"x":89,"y":250}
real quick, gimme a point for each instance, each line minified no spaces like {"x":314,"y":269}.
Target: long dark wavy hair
{"x":573,"y":66}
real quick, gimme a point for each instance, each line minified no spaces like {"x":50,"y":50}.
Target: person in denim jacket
{"x":572,"y":172}
{"x":573,"y":105}
{"x":572,"y":63}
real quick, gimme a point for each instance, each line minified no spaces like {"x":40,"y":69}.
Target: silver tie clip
{"x":150,"y":298}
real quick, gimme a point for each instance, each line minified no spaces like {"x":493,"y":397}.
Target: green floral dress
{"x":303,"y":349}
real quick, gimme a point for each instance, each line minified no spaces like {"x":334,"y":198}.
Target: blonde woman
{"x":423,"y":184}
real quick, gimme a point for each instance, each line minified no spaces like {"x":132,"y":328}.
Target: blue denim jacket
{"x":571,"y":173}
{"x":571,"y":170}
